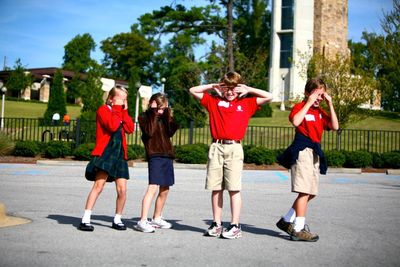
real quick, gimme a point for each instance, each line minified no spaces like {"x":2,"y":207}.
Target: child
{"x":157,"y":126}
{"x":229,"y":115}
{"x":304,"y":156}
{"x":110,"y":155}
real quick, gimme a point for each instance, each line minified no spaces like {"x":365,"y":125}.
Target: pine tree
{"x":57,"y":102}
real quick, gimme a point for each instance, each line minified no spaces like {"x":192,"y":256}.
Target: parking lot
{"x":356,"y":216}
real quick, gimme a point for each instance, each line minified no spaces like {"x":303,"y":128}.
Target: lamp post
{"x":3,"y":92}
{"x":163,"y":80}
{"x":137,"y":84}
{"x":283,"y":93}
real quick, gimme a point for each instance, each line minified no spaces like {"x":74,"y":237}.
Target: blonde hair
{"x":113,"y":92}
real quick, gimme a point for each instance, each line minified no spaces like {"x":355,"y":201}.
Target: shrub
{"x":377,"y":160}
{"x":335,"y":158}
{"x":84,"y":151}
{"x":57,"y":149}
{"x":260,"y":155}
{"x":196,"y":153}
{"x":358,"y":159}
{"x":246,"y":149}
{"x":27,"y":149}
{"x":391,"y":159}
{"x":264,"y":111}
{"x":138,"y":151}
{"x":6,"y":145}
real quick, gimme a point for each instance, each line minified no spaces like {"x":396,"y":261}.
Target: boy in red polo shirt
{"x":229,"y":115}
{"x":304,"y":156}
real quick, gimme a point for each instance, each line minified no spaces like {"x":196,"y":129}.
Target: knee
{"x":121,"y":192}
{"x":98,"y":188}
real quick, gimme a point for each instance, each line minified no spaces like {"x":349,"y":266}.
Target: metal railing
{"x":271,"y":137}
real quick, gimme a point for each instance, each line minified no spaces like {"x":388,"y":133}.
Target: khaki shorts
{"x":305,"y":173}
{"x":224,"y":167}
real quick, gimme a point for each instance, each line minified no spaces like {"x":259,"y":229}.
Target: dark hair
{"x":159,"y":98}
{"x":313,"y":84}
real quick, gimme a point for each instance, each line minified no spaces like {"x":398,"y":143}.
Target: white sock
{"x":86,"y":216}
{"x":117,"y":219}
{"x":290,"y":215}
{"x":299,"y":223}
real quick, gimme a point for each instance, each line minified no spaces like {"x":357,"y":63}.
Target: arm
{"x":299,"y":116}
{"x":198,"y":91}
{"x":262,"y":96}
{"x":147,"y":122}
{"x":127,"y":124}
{"x":334,"y":124}
{"x":110,"y":120}
{"x":169,"y":122}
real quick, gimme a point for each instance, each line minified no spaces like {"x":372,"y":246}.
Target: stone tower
{"x":330,"y":27}
{"x":299,"y":26}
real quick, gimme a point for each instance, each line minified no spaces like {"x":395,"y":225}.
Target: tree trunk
{"x":230,"y":36}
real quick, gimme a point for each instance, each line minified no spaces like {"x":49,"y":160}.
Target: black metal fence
{"x":271,"y":137}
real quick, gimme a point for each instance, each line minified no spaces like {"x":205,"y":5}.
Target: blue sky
{"x":36,"y":31}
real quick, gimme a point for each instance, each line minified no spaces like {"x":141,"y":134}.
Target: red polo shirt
{"x":314,"y":123}
{"x":108,"y":119}
{"x":229,"y":120}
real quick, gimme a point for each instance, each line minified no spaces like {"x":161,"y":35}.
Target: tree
{"x":77,"y":53}
{"x":57,"y":103}
{"x":92,"y":95}
{"x":19,"y":78}
{"x":77,"y":59}
{"x":385,"y":53}
{"x":182,"y":72}
{"x":348,"y":90}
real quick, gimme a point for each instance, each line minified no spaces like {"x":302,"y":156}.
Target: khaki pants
{"x":305,"y":173}
{"x":224,"y":167}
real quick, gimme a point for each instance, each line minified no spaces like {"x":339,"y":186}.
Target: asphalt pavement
{"x":355,"y":215}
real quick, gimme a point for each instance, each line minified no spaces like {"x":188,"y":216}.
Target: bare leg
{"x":147,"y":199}
{"x":300,"y":204}
{"x":160,"y":201}
{"x":236,"y":206}
{"x":98,"y":185}
{"x":120,"y":185}
{"x":217,"y":202}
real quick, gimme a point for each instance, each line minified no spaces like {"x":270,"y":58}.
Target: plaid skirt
{"x":111,"y":161}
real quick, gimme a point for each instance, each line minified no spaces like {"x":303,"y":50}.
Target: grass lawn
{"x":20,"y":109}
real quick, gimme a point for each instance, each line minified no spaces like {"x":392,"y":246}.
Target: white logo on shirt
{"x":239,"y":108}
{"x":223,"y":104}
{"x":310,"y":117}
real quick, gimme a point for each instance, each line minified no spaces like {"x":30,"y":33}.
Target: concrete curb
{"x":393,"y":171}
{"x":345,"y":170}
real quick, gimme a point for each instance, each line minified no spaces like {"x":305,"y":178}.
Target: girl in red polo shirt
{"x":109,"y":162}
{"x":304,"y":156}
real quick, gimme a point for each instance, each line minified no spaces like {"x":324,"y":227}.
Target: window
{"x":287,"y":15}
{"x":286,"y":50}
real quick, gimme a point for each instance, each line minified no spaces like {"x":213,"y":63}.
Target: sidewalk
{"x":356,"y":216}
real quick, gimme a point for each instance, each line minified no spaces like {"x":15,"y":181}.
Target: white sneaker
{"x":232,"y":232}
{"x":161,"y":223}
{"x":144,"y":226}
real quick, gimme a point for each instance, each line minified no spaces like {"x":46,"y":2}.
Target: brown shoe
{"x":285,"y":226}
{"x":304,"y":235}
